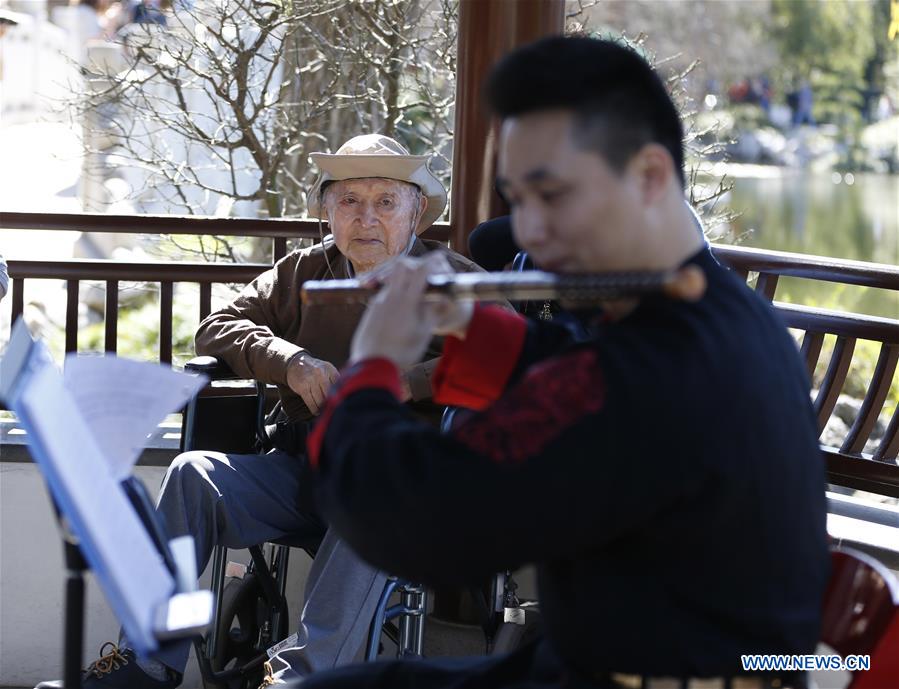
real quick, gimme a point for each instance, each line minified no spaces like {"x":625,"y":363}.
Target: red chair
{"x":861,"y":617}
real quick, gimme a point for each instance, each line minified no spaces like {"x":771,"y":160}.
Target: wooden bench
{"x":847,"y":464}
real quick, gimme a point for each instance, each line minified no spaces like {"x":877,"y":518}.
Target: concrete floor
{"x":441,"y":639}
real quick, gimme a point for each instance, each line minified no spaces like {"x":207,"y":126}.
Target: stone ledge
{"x":162,"y":446}
{"x":151,"y":457}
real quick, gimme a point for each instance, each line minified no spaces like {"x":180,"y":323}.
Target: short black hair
{"x":492,"y":245}
{"x":620,"y":103}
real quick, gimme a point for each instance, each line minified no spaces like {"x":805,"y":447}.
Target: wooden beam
{"x":488,"y":29}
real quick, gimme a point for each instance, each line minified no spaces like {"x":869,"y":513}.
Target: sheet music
{"x":115,"y":544}
{"x":122,"y":401}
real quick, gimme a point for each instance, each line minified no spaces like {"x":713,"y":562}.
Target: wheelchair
{"x":251,"y":611}
{"x":252,"y":615}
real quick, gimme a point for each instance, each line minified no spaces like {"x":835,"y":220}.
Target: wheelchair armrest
{"x":211,"y":366}
{"x":217,"y":369}
{"x":200,"y":425}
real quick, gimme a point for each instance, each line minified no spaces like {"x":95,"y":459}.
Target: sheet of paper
{"x":113,"y":539}
{"x":122,"y":402}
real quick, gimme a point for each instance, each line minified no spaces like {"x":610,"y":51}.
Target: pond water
{"x":827,"y":214}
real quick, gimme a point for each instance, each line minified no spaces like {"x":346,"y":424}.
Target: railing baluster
{"x":279,"y":249}
{"x":834,"y":379}
{"x":889,"y":444}
{"x":72,"y":315}
{"x":112,"y":316}
{"x":881,"y":380}
{"x":18,"y":298}
{"x":165,"y":322}
{"x":766,"y":285}
{"x":205,"y":299}
{"x":810,"y":351}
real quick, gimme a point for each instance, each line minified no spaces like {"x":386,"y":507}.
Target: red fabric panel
{"x":473,"y":372}
{"x":371,"y":373}
{"x":884,"y":670}
{"x":551,"y":398}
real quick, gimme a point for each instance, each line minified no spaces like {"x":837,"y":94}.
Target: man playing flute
{"x":664,"y":474}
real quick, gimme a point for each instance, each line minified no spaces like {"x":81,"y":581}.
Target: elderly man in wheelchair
{"x":376,"y":199}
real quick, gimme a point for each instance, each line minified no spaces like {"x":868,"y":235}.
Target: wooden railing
{"x":75,"y":271}
{"x":847,"y":464}
{"x":773,"y":264}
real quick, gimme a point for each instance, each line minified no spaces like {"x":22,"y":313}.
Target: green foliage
{"x":829,"y":43}
{"x":138,"y":331}
{"x":886,"y":52}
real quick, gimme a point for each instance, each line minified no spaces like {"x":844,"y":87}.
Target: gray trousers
{"x":242,"y":500}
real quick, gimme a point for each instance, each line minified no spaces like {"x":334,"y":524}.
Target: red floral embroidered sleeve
{"x":385,"y":479}
{"x":552,"y":397}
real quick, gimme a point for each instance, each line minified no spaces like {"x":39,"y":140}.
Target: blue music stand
{"x":107,"y":525}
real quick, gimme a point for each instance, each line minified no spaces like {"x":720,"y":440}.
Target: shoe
{"x":117,"y":668}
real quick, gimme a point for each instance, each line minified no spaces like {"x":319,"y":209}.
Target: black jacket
{"x":664,"y":475}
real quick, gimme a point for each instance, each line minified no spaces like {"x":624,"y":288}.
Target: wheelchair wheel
{"x":243,"y":616}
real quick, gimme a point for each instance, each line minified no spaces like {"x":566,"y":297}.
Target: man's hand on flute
{"x":399,"y":323}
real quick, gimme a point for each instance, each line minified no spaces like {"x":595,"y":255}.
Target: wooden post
{"x":488,"y":29}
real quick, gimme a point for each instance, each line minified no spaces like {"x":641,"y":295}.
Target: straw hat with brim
{"x":374,"y":155}
{"x":11,"y":18}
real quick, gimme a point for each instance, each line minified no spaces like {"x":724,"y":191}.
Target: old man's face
{"x":372,"y":219}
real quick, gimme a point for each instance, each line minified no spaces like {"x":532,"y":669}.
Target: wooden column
{"x":488,"y":29}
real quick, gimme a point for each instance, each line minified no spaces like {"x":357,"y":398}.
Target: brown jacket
{"x":266,"y":325}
